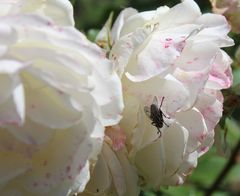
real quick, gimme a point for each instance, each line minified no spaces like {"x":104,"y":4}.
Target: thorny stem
{"x":231,"y":162}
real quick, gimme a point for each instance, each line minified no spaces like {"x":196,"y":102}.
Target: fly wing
{"x":147,"y":111}
{"x":155,"y":101}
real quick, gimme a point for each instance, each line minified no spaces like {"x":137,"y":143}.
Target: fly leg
{"x":159,"y":132}
{"x":161,"y":102}
{"x":165,"y":123}
{"x":161,"y":110}
{"x":165,"y":116}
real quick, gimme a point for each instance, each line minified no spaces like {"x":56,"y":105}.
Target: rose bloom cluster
{"x":63,"y":126}
{"x":58,"y":92}
{"x":169,"y":59}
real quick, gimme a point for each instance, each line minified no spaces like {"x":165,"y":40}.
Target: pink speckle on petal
{"x":35,"y":184}
{"x":60,"y":29}
{"x":166,"y":45}
{"x":68,"y":169}
{"x":45,"y":184}
{"x":45,"y":162}
{"x":128,"y":45}
{"x":80,"y":167}
{"x":49,"y":23}
{"x":48,"y":175}
{"x":202,"y":137}
{"x":60,"y":92}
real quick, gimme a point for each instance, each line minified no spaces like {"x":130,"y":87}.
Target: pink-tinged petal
{"x":148,"y":63}
{"x":123,"y":49}
{"x":196,"y":56}
{"x":194,"y":82}
{"x":221,"y":73}
{"x":210,"y":104}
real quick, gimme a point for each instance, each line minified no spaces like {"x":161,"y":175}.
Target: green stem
{"x":231,"y":162}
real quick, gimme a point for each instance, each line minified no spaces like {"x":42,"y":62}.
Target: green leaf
{"x":233,"y":133}
{"x":236,"y":81}
{"x":182,"y":191}
{"x":220,"y":194}
{"x":209,"y":166}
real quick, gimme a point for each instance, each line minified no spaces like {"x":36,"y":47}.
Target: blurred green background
{"x":92,"y":14}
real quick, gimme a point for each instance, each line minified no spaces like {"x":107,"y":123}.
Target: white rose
{"x":61,"y":11}
{"x":171,"y":56}
{"x":58,"y":92}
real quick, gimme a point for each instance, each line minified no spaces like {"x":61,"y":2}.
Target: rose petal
{"x":115,"y":169}
{"x":100,"y":177}
{"x":221,"y":73}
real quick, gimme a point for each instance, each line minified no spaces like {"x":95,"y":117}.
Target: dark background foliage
{"x":93,"y":13}
{"x":218,"y":172}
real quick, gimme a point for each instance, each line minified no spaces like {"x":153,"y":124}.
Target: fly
{"x":156,"y":115}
